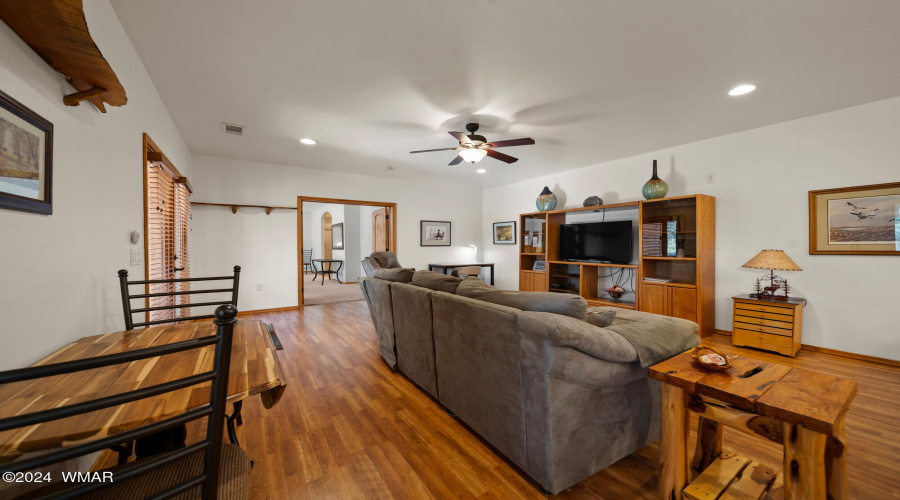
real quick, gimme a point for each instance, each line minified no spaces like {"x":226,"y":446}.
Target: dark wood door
{"x":379,"y":230}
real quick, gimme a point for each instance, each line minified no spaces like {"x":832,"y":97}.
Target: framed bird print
{"x":860,"y":220}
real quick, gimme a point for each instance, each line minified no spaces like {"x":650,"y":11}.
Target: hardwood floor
{"x":347,"y":427}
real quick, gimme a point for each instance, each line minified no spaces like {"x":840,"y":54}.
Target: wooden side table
{"x":802,"y":410}
{"x":773,"y":325}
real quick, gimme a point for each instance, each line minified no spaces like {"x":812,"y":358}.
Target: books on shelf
{"x":658,"y":280}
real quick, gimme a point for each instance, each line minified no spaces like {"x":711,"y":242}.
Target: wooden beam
{"x":745,"y":421}
{"x":673,"y":443}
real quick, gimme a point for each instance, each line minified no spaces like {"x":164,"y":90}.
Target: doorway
{"x":365,"y":227}
{"x":326,"y":236}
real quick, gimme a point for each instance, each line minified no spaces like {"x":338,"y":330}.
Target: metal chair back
{"x":214,"y":413}
{"x":127,"y":296}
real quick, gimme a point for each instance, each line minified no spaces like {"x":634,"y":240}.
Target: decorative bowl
{"x":711,"y":358}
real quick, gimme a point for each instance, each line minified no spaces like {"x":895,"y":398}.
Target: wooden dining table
{"x":255,"y":369}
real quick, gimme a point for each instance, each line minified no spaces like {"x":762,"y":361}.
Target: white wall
{"x":58,"y":277}
{"x":762,"y":181}
{"x":268,"y":251}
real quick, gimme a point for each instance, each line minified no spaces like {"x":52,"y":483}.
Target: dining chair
{"x":235,"y":417}
{"x":307,"y":261}
{"x":208,"y":469}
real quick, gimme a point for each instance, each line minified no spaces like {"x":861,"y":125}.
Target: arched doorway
{"x":326,"y":235}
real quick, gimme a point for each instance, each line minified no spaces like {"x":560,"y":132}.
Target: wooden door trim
{"x":392,"y":212}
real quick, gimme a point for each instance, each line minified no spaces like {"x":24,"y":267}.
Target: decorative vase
{"x":546,"y":200}
{"x":655,"y":187}
{"x":593,"y":201}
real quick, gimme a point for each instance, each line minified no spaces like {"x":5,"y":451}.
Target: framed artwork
{"x":505,"y":233}
{"x":860,"y":220}
{"x":434,"y":233}
{"x":337,"y":236}
{"x":26,"y":158}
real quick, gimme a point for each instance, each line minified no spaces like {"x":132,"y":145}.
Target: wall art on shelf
{"x":545,"y":201}
{"x":539,"y":265}
{"x":26,"y":158}
{"x":655,"y":187}
{"x":337,"y":236}
{"x":434,"y":233}
{"x":505,"y":233}
{"x":860,"y":220}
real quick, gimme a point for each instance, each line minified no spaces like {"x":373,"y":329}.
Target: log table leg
{"x":836,"y":464}
{"x":673,"y":443}
{"x":804,"y":463}
{"x":709,"y":445}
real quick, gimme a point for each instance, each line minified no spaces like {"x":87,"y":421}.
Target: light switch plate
{"x":137,"y":257}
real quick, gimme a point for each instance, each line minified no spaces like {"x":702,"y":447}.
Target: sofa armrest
{"x":585,"y":337}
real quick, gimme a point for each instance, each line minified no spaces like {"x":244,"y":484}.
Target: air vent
{"x":230,"y":128}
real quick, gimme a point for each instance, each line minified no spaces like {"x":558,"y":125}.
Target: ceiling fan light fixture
{"x":473,"y":155}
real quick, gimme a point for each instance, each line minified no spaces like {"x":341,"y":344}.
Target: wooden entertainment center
{"x":676,"y":248}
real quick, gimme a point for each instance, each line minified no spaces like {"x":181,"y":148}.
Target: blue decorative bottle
{"x":655,"y":187}
{"x":546,"y":200}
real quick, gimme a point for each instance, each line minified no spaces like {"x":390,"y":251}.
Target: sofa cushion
{"x":600,"y":318}
{"x":551,"y":302}
{"x":436,"y":281}
{"x":398,"y":274}
{"x":386,"y":259}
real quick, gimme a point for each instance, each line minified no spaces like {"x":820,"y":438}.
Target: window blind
{"x":168,"y":225}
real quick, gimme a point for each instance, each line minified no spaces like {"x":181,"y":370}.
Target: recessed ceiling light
{"x":741,"y":90}
{"x":481,"y":171}
{"x":308,"y":141}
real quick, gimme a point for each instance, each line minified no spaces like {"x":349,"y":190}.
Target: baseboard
{"x":274,"y":309}
{"x":835,"y":352}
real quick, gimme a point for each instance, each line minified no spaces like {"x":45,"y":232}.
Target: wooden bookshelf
{"x":682,"y":223}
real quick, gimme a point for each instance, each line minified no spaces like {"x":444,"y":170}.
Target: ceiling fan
{"x":474,"y":147}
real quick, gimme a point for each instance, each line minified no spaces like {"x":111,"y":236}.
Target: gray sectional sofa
{"x":559,"y":397}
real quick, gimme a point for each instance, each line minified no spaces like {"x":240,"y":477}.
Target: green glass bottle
{"x":655,"y":187}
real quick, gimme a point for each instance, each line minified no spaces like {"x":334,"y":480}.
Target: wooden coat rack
{"x":235,"y":207}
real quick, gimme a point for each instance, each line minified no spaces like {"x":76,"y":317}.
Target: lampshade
{"x":772,"y":259}
{"x":472,"y":155}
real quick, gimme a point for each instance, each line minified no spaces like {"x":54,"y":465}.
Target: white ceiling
{"x":589,"y":80}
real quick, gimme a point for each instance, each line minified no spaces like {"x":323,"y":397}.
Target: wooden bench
{"x":802,"y":410}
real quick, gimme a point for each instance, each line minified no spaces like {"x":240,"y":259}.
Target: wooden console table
{"x":802,"y":410}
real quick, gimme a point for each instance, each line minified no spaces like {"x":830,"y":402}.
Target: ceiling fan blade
{"x":456,"y":160}
{"x":512,"y":142}
{"x":500,"y":156}
{"x":430,"y":150}
{"x":461,"y":137}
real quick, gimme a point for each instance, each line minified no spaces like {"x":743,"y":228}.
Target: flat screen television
{"x":603,"y":241}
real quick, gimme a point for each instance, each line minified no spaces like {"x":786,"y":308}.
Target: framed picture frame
{"x":505,"y":233}
{"x":337,"y":236}
{"x":859,"y":220}
{"x":434,"y":233}
{"x":26,"y":158}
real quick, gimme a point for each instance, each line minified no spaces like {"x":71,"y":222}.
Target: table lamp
{"x":773,"y":260}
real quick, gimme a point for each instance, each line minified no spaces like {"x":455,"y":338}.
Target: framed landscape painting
{"x":505,"y":233}
{"x":434,"y":233}
{"x":26,"y":158}
{"x":860,"y":220}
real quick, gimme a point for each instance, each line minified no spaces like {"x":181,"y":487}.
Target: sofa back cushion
{"x":479,"y":378}
{"x":414,"y":334}
{"x":386,"y":259}
{"x":436,"y":281}
{"x":557,"y":303}
{"x":397,"y":274}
